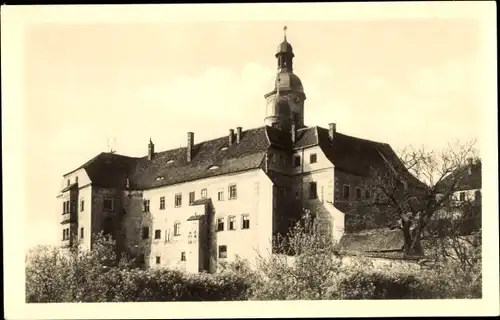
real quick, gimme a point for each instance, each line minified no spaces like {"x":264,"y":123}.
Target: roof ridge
{"x":202,"y":142}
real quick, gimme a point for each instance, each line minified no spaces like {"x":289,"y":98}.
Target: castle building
{"x":211,"y":201}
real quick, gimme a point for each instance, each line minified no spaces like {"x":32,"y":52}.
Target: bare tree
{"x":413,"y":186}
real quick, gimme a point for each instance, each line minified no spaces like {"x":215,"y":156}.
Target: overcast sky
{"x":400,"y":81}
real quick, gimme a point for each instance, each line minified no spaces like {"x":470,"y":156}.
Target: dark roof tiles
{"x":215,"y":157}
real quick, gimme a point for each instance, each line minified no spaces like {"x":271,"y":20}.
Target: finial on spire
{"x":150,"y":141}
{"x":284,"y":31}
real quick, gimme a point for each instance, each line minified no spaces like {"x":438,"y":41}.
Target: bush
{"x":55,"y":275}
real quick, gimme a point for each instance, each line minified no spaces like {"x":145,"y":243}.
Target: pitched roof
{"x":466,"y":177}
{"x":370,"y":241}
{"x":209,"y":158}
{"x":215,"y":157}
{"x":351,"y":154}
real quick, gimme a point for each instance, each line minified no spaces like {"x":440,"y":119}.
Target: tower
{"x":285,"y":104}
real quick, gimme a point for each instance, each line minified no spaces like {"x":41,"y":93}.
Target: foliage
{"x":415,"y":185}
{"x":302,"y":266}
{"x":99,"y":275}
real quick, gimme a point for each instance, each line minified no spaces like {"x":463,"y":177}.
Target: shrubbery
{"x":99,"y":276}
{"x":315,"y":273}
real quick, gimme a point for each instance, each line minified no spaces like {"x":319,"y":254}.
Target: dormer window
{"x":160,"y":178}
{"x":223,"y":149}
{"x":170,"y":161}
{"x":213,"y":167}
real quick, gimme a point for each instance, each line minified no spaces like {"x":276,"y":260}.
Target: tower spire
{"x":284,"y":32}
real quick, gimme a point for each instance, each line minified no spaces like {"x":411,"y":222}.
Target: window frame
{"x":220,"y":195}
{"x":245,"y":218}
{"x":346,"y":196}
{"x":358,"y":190}
{"x":162,"y":203}
{"x":229,"y":218}
{"x":192,"y":197}
{"x":177,"y":229}
{"x":313,"y":185}
{"x":183,"y":256}
{"x":81,"y":233}
{"x":219,"y":251}
{"x":178,"y":204}
{"x":111,"y":201}
{"x":157,"y":234}
{"x":461,"y":196}
{"x":297,"y":161}
{"x":230,"y":196}
{"x":313,"y":156}
{"x":204,"y":193}
{"x":158,"y":260}
{"x":146,"y":205}
{"x":220,"y":221}
{"x":145,"y":233}
{"x":82,"y":205}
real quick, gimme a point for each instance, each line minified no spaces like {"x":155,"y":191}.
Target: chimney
{"x":151,"y":149}
{"x":190,"y":143}
{"x":294,"y":133}
{"x":332,"y":128}
{"x":238,"y":134}
{"x":231,"y":136}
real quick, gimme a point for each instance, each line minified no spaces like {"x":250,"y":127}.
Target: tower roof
{"x":285,"y":46}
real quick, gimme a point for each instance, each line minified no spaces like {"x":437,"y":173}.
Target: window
{"x":178,"y":200}
{"x":108,"y":204}
{"x":232,"y":191}
{"x":358,"y":194}
{"x":346,"y":191}
{"x":145,"y":232}
{"x":191,"y":197}
{"x":204,"y":193}
{"x":145,"y":207}
{"x":158,"y":234}
{"x":167,"y":234}
{"x":313,"y":158}
{"x":65,"y":234}
{"x":177,"y":229}
{"x":81,"y":233}
{"x":183,"y":256}
{"x":67,"y":183}
{"x":313,"y":192}
{"x":162,"y":203}
{"x":220,"y":224}
{"x":222,"y":252}
{"x":158,"y":259}
{"x":220,"y":195}
{"x":296,"y":161}
{"x":367,"y":194}
{"x":190,"y":237}
{"x":245,"y":222}
{"x":297,"y":195}
{"x":282,"y":160}
{"x":82,"y":205}
{"x":477,"y":195}
{"x":232,"y":223}
{"x":462,"y":196}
